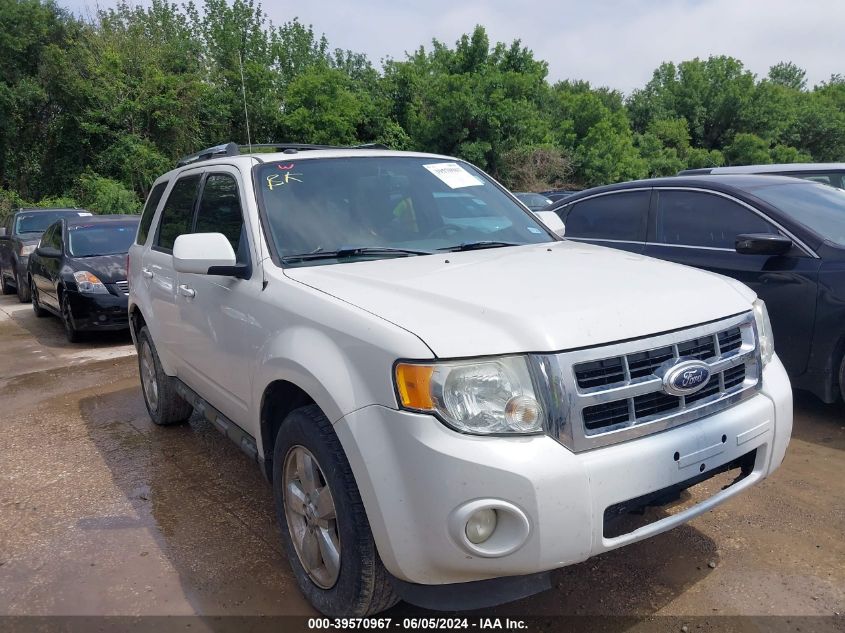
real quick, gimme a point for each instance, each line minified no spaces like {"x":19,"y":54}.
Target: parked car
{"x":78,"y":272}
{"x":827,"y":173}
{"x":783,"y":237}
{"x":558,"y":194}
{"x":449,"y":400}
{"x":18,"y":238}
{"x":534,"y":201}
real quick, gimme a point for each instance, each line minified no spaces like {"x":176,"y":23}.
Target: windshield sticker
{"x":84,"y":213}
{"x":279,"y":180}
{"x":533,"y":229}
{"x":455,"y":176}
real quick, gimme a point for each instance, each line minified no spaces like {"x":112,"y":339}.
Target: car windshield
{"x":372,"y":207}
{"x":89,"y":240}
{"x":534,"y":199}
{"x":36,"y":222}
{"x":818,"y":207}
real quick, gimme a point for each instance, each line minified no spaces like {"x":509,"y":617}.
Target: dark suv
{"x":783,"y":237}
{"x":18,"y":239}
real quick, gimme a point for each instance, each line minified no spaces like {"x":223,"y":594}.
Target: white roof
{"x":783,"y":167}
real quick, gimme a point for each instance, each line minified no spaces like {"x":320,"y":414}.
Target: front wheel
{"x":23,"y":289}
{"x":325,"y":529}
{"x":71,"y":333}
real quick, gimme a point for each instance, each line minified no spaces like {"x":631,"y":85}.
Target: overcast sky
{"x":617,"y":43}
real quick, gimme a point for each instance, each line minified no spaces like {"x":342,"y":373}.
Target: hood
{"x":535,"y":298}
{"x":109,"y":268}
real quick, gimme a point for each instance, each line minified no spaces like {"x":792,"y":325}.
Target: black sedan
{"x":783,"y":237}
{"x":78,"y":272}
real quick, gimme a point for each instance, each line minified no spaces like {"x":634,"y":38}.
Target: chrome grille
{"x":123,"y":286}
{"x":613,"y":393}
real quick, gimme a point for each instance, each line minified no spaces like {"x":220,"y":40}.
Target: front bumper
{"x":415,"y":475}
{"x":98,"y":311}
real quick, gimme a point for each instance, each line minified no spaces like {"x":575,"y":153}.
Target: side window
{"x":178,"y":212}
{"x":149,"y":211}
{"x":48,"y":235}
{"x":694,"y":218}
{"x":616,"y":216}
{"x":220,"y":212}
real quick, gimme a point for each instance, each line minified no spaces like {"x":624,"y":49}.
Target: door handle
{"x":187,"y":291}
{"x":147,"y":273}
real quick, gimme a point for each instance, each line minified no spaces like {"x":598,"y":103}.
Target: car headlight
{"x":483,"y":396}
{"x":89,"y":283}
{"x":764,"y":331}
{"x":27,"y":249}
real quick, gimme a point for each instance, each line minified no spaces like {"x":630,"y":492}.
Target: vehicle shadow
{"x":211,"y":513}
{"x":817,"y":422}
{"x":49,"y":332}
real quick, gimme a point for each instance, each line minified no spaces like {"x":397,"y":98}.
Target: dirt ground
{"x":103,"y":513}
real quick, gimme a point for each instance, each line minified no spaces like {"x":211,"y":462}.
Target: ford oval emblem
{"x":685,"y":377}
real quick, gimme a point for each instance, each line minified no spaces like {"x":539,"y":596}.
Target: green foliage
{"x":96,"y":108}
{"x":105,"y":196}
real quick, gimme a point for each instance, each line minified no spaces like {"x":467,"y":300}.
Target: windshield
{"x":533,"y":200}
{"x":39,"y":221}
{"x":412,"y":205}
{"x":820,"y":208}
{"x":90,"y":240}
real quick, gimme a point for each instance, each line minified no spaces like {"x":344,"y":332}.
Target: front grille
{"x":618,"y":393}
{"x":123,"y":286}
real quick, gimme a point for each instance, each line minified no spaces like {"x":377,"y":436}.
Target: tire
{"x":36,"y":306}
{"x":842,"y":379}
{"x":361,"y":584}
{"x":23,"y":290}
{"x":71,"y":333}
{"x":165,"y":406}
{"x":7,"y":288}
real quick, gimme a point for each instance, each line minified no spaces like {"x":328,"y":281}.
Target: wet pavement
{"x":103,"y":513}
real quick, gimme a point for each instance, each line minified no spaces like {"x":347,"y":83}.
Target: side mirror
{"x":762,"y":244}
{"x":47,"y":251}
{"x":552,"y":221}
{"x":204,"y":254}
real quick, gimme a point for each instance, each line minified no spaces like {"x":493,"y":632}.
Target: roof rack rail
{"x":233,"y":149}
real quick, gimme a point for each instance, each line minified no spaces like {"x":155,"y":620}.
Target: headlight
{"x":482,"y":396}
{"x":764,"y":331}
{"x":89,"y":283}
{"x":27,"y":250}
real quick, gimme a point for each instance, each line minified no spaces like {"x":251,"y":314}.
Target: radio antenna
{"x":243,"y":91}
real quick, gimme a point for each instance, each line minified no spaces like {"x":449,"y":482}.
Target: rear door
{"x":699,"y":228}
{"x":618,"y":219}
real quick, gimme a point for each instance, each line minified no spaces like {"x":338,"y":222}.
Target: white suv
{"x":449,"y":400}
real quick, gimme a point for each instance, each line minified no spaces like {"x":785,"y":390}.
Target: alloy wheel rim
{"x":67,"y":317}
{"x":311,"y":517}
{"x":148,"y":377}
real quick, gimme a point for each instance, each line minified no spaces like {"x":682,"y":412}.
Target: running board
{"x":241,"y":438}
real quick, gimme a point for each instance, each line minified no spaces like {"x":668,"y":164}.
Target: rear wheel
{"x":842,"y":379}
{"x":8,"y":289}
{"x":36,"y":305}
{"x":164,"y":404}
{"x":23,"y":289}
{"x":325,"y":529}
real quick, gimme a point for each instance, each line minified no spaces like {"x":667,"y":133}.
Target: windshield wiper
{"x":355,"y":251}
{"x":474,"y":246}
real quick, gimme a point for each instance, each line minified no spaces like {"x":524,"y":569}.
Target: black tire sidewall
{"x":356,"y":545}
{"x":144,"y":339}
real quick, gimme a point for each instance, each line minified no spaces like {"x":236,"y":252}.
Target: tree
{"x":788,"y":75}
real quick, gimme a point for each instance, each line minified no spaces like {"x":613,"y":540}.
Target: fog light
{"x":481,"y":525}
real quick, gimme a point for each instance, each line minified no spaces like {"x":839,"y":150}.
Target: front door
{"x":699,"y":228}
{"x":221,"y":338}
